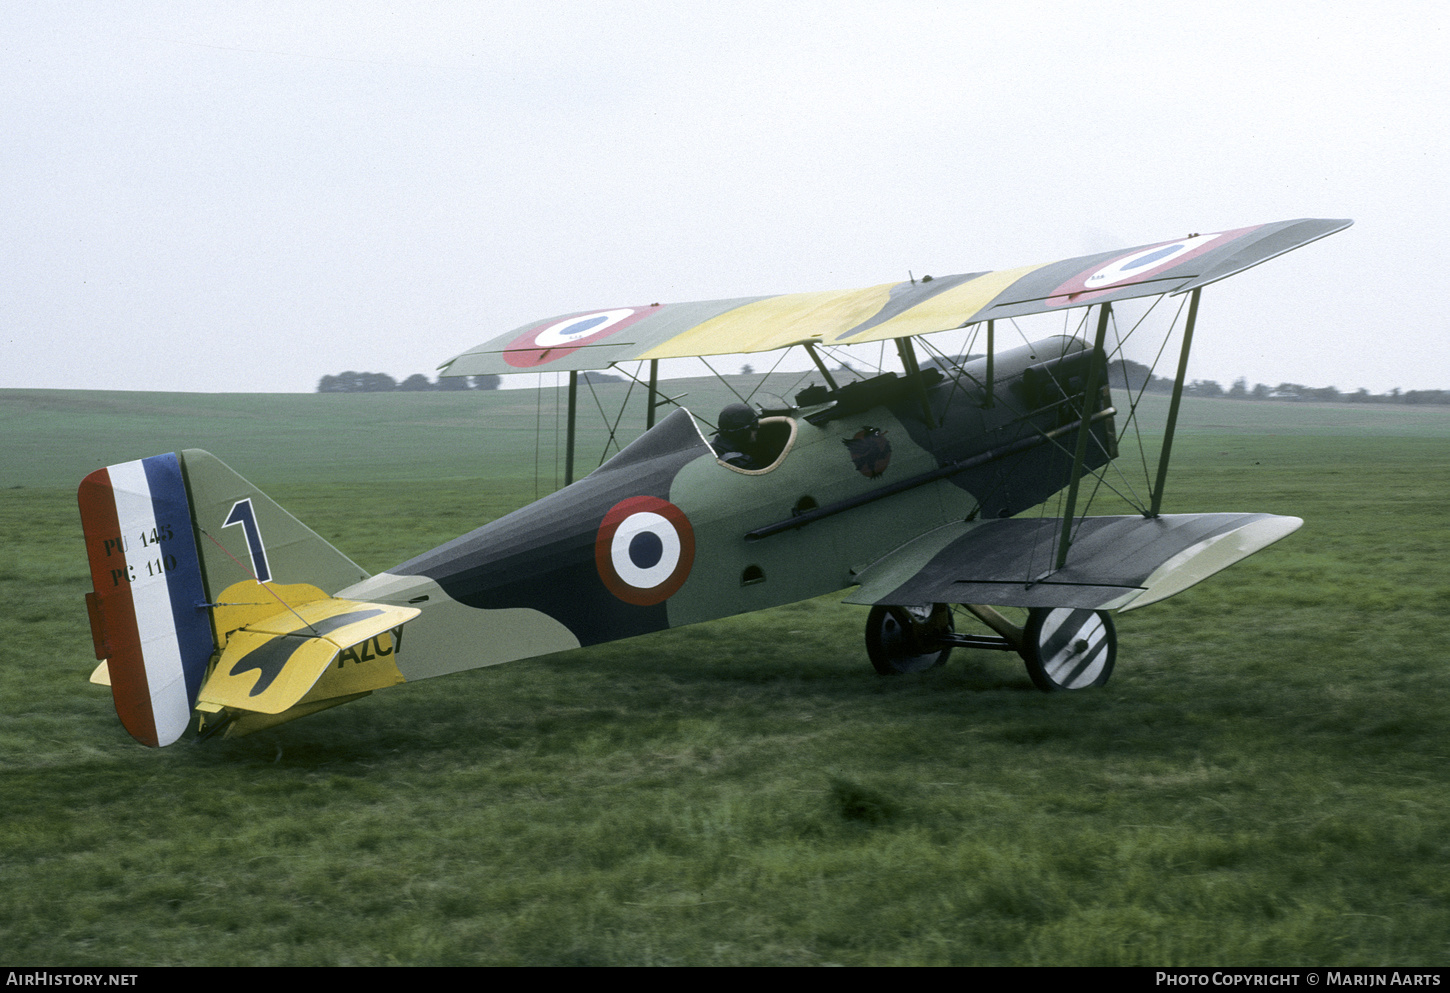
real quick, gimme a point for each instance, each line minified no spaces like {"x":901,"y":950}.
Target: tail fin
{"x":232,"y":518}
{"x":186,"y":555}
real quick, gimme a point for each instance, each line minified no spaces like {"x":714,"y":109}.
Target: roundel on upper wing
{"x":1137,"y":266}
{"x":1145,"y":262}
{"x":644,"y":550}
{"x":542,"y":344}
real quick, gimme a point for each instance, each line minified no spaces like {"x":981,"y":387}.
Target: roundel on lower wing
{"x":644,"y":550}
{"x":543,"y":344}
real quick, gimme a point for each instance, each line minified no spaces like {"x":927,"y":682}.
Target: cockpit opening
{"x":755,"y":450}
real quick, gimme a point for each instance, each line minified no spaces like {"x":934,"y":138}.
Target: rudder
{"x":148,"y":611}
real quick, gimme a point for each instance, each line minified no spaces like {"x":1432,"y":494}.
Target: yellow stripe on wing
{"x":948,"y":309}
{"x":776,"y":322}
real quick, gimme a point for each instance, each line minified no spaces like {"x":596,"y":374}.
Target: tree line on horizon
{"x":381,"y":382}
{"x":1122,"y":374}
{"x":1127,"y":374}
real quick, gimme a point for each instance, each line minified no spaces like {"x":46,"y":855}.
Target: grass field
{"x":1264,"y":781}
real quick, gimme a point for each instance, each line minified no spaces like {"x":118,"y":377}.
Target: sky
{"x":244,"y":197}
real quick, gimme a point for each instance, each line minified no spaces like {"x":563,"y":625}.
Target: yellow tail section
{"x":291,"y":650}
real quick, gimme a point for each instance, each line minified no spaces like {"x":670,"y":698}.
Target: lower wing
{"x":1114,"y":563}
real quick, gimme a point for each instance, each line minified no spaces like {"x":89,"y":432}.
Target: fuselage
{"x":664,"y":534}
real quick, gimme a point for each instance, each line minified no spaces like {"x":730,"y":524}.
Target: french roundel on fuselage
{"x":644,"y":550}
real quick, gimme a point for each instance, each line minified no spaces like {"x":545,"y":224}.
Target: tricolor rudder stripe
{"x":149,"y":612}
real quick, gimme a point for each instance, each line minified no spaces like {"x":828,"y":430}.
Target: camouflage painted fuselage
{"x":664,"y":534}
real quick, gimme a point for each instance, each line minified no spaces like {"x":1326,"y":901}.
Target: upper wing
{"x":600,"y":338}
{"x":1114,"y":562}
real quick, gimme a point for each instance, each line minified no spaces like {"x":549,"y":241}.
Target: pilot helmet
{"x":737,"y":421}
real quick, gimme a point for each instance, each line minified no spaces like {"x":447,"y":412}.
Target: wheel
{"x":1067,"y":649}
{"x":907,"y":639}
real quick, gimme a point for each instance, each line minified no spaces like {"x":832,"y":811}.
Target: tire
{"x":1069,"y":649}
{"x":900,"y":639}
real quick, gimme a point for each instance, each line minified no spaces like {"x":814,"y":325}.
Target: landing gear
{"x":1067,"y":649}
{"x":908,"y":639}
{"x":1063,"y":648}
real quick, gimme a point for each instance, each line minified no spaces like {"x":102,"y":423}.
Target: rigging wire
{"x":1133,"y":419}
{"x":261,"y":585}
{"x":634,"y":378}
{"x":957,"y":373}
{"x":723,"y":380}
{"x":953,"y":366}
{"x":613,"y":428}
{"x":793,"y":387}
{"x":1143,"y":455}
{"x":766,"y":378}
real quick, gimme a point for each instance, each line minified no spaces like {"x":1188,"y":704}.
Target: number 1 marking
{"x":241,"y":513}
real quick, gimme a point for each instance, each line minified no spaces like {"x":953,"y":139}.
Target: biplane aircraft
{"x":902,"y":489}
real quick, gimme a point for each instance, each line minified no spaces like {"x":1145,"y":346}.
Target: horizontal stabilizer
{"x":308,"y":651}
{"x":1114,"y":563}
